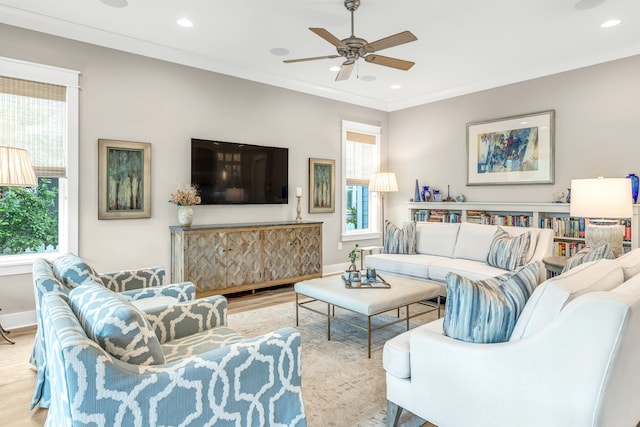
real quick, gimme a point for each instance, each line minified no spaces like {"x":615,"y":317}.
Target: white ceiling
{"x":463,"y":46}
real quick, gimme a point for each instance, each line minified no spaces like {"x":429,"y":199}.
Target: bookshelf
{"x":569,"y":232}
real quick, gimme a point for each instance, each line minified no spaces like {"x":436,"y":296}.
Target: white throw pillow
{"x":630,"y":263}
{"x":554,"y":294}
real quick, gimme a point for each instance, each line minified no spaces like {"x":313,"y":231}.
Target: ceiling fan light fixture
{"x":588,"y":4}
{"x":334,"y":68}
{"x":395,"y":87}
{"x":368,"y":78}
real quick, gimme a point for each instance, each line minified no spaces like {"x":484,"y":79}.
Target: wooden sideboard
{"x":226,"y":258}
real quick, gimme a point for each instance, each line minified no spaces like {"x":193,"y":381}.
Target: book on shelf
{"x":568,"y":248}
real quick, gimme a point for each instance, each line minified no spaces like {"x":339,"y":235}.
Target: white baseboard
{"x":18,"y":320}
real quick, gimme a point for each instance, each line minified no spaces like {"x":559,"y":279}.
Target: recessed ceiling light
{"x":279,"y":51}
{"x":184,"y":22}
{"x":334,"y":68}
{"x":523,"y":123}
{"x":116,"y":3}
{"x":368,"y":78}
{"x":395,"y":86}
{"x":588,"y":4}
{"x":610,"y":23}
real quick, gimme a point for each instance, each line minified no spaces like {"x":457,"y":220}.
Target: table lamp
{"x":384,"y":182}
{"x":604,"y":201}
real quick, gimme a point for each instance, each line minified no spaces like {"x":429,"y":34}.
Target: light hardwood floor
{"x":17,"y":377}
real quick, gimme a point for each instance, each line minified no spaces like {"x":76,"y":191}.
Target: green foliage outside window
{"x":28,"y":218}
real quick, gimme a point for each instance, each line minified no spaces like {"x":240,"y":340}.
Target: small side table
{"x":554,"y":265}
{"x":369,"y":250}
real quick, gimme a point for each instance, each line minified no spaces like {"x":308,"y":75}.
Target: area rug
{"x":340,"y":385}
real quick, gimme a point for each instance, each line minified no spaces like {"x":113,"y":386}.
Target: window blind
{"x":33,"y":116}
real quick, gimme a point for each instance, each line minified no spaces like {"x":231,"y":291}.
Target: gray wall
{"x":597,"y":116}
{"x":134,"y":98}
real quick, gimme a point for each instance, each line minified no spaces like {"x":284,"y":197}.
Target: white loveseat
{"x":460,"y":248}
{"x":572,"y":360}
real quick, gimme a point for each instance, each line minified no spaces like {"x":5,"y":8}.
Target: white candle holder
{"x":299,"y":210}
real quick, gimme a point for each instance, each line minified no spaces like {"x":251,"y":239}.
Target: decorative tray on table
{"x":366,"y":283}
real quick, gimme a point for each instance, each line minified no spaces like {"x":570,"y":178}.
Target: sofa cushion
{"x":509,"y":252}
{"x":555,"y":293}
{"x":588,"y":254}
{"x":486,"y":311}
{"x":396,"y":352}
{"x":399,"y":240}
{"x":207,"y":340}
{"x":436,"y":238}
{"x":115,"y":324}
{"x":474,"y":241}
{"x":410,"y":265}
{"x":73,"y":271}
{"x":442,"y":266}
{"x":630,"y":263}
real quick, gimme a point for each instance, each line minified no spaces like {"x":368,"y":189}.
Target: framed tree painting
{"x":124,"y":179}
{"x":322,"y":186}
{"x":512,"y":150}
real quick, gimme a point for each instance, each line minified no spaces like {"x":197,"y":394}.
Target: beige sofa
{"x":460,"y":248}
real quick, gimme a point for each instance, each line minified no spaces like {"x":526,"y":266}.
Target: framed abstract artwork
{"x":322,"y":185}
{"x":124,"y":179}
{"x":512,"y":150}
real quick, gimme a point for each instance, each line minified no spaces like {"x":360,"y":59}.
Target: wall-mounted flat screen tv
{"x":232,"y":173}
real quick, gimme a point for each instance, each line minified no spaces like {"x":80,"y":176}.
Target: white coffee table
{"x":368,"y":302}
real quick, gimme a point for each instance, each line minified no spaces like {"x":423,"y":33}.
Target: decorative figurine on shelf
{"x":568,"y":195}
{"x":425,"y":195}
{"x":449,"y":199}
{"x":460,"y":198}
{"x":437,"y":197}
{"x":416,"y":195}
{"x":558,"y":197}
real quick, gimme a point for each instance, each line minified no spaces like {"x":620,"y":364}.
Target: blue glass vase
{"x":416,"y":194}
{"x":425,"y":195}
{"x":634,"y":186}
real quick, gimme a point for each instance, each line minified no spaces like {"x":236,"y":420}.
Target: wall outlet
{"x":339,"y":246}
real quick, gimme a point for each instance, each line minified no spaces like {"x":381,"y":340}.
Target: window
{"x":360,"y":144}
{"x":39,"y":112}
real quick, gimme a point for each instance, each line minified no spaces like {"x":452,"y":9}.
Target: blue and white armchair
{"x":143,"y":286}
{"x":112,"y":364}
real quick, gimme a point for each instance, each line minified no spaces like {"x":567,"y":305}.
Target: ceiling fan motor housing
{"x":351,"y":5}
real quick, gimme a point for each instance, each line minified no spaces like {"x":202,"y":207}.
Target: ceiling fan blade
{"x":391,"y":41}
{"x":400,"y":64}
{"x":345,"y":71}
{"x":289,"y":61}
{"x":327,"y":36}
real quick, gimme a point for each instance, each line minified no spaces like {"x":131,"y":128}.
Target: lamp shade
{"x":384,"y":182}
{"x":15,"y":168}
{"x":601,"y":198}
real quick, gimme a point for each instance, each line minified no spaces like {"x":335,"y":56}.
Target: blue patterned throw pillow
{"x":72,"y":271}
{"x":399,"y":240}
{"x":486,"y":311}
{"x":508,"y":252}
{"x":116,"y":325}
{"x":588,"y":254}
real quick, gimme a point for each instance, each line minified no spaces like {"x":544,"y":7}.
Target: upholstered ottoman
{"x":367,"y":302}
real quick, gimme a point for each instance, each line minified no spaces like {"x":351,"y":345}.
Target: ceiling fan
{"x":353,"y":48}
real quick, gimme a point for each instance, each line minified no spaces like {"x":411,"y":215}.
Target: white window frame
{"x":373,"y":232}
{"x":68,"y":187}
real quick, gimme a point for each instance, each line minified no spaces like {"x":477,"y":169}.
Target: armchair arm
{"x":553,"y":378}
{"x":183,"y":291}
{"x":119,"y":281}
{"x":188,"y":318}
